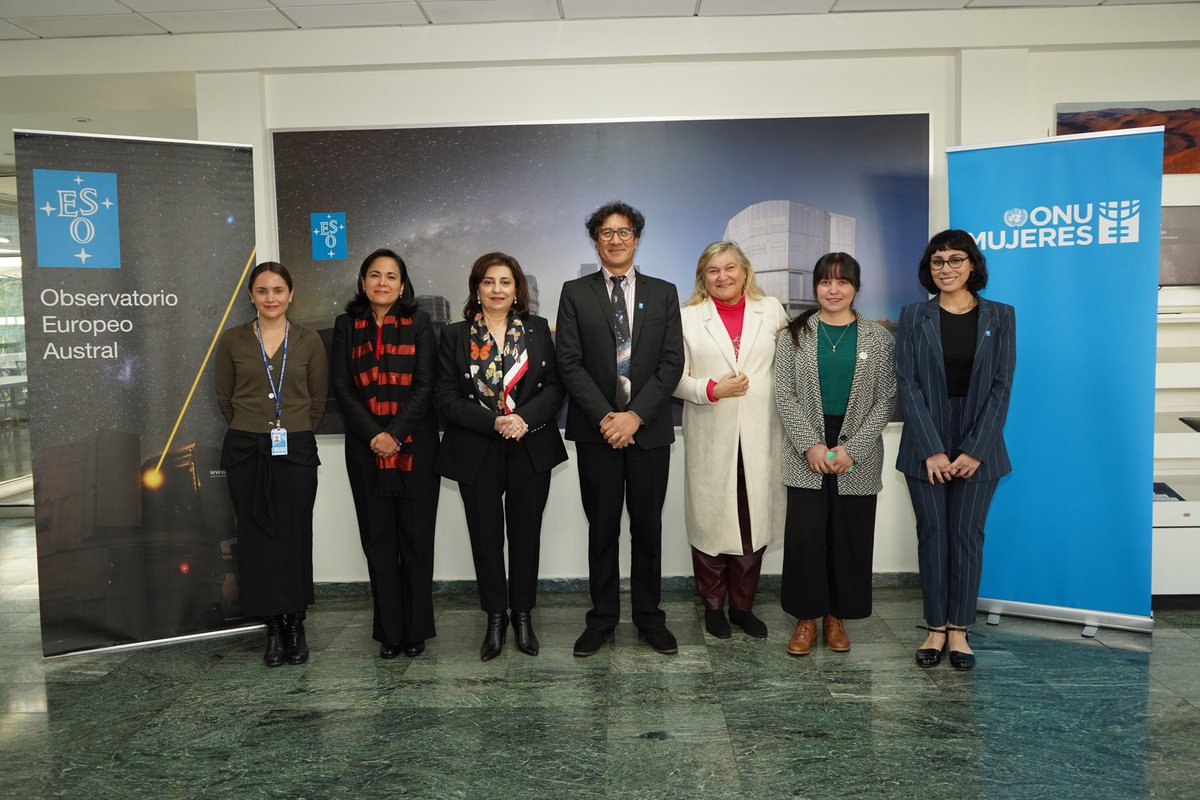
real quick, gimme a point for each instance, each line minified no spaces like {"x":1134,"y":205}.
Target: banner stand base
{"x":191,"y":637}
{"x":1091,"y":620}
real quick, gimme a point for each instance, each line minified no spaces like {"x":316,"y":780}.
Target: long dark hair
{"x":479,"y":271}
{"x":360,"y":307}
{"x":830,"y":265}
{"x":953,"y":239}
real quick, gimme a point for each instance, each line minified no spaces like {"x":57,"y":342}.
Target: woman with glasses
{"x":498,"y":393}
{"x":729,"y":419}
{"x":384,"y":369}
{"x":955,"y":356}
{"x":835,"y":385}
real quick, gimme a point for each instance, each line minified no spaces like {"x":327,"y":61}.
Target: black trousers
{"x":828,"y":548}
{"x":506,"y":489}
{"x":609,"y":480}
{"x":397,"y":539}
{"x":275,"y":566}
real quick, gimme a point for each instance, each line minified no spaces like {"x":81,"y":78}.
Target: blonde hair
{"x":700,"y":294}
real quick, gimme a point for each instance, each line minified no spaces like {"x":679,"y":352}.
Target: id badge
{"x":279,"y":441}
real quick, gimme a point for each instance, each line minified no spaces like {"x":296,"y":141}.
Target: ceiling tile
{"x":897,"y":5}
{"x":490,"y":10}
{"x":8,"y":31}
{"x":59,"y":8}
{"x":162,"y":6}
{"x":355,"y":15}
{"x":87,"y":25}
{"x":1030,"y":3}
{"x":754,"y":8}
{"x":596,"y":9}
{"x":222,"y":21}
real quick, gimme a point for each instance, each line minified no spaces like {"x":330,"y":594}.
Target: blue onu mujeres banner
{"x":1070,"y":229}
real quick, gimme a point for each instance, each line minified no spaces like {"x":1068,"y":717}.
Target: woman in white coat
{"x":729,"y":329}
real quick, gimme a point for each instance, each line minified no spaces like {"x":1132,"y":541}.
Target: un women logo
{"x":1016,"y":217}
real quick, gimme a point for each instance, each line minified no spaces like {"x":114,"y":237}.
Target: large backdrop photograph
{"x":786,"y":189}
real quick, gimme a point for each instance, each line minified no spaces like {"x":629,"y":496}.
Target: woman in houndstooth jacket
{"x":835,"y":388}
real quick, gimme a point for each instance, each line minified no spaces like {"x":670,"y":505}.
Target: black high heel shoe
{"x":929,"y":657}
{"x":527,"y":642}
{"x":958,"y":659}
{"x":493,"y":639}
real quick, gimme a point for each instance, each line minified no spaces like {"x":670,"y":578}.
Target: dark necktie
{"x":624,"y":340}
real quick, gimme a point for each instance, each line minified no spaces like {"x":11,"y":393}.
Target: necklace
{"x":833,"y":344}
{"x":970,"y":304}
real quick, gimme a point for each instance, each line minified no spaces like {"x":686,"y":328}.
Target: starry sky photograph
{"x":443,"y":196}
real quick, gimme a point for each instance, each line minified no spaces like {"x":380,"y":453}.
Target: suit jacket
{"x":715,"y":431}
{"x":470,"y":426}
{"x":921,"y":381}
{"x":587,"y":357}
{"x":416,"y":412}
{"x":868,"y":410}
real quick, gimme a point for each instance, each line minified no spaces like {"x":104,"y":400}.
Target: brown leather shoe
{"x":803,"y":638}
{"x":835,"y":635}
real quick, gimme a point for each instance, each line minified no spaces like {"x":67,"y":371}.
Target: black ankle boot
{"x":274,"y":655}
{"x":493,"y":640}
{"x":527,"y":642}
{"x":294,"y":639}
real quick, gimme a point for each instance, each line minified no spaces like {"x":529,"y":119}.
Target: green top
{"x":837,"y":346}
{"x":242,"y":387}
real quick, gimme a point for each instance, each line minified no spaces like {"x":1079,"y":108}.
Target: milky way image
{"x":441,"y":197}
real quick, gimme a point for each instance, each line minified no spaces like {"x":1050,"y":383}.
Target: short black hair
{"x":636,"y":220}
{"x":359,"y":306}
{"x":954,"y":239}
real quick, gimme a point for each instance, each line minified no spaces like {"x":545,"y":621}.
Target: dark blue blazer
{"x":921,"y":387}
{"x":587,"y":356}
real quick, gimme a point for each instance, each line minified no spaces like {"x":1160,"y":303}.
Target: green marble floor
{"x":1047,"y":715}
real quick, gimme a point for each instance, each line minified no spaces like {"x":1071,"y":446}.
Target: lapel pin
{"x":987,"y":333}
{"x":641,"y":306}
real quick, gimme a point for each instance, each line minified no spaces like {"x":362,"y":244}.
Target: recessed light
{"x":83,"y":119}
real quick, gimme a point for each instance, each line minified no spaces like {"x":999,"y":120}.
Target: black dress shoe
{"x":493,"y":639}
{"x":661,"y":639}
{"x":522,"y":622}
{"x":752,"y":625}
{"x":590,"y":642}
{"x":414,"y":649}
{"x":929,"y":657}
{"x":716,"y":624}
{"x":958,"y":659}
{"x":389,"y":651}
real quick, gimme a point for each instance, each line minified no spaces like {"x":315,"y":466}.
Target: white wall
{"x":981,"y":75}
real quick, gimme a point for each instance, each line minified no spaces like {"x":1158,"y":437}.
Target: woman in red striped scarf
{"x":499,"y":395}
{"x":384,"y":366}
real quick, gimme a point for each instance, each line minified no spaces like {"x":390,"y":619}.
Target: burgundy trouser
{"x":725,"y":574}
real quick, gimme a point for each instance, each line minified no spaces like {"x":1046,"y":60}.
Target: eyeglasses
{"x":953,"y":262}
{"x":624,"y":234}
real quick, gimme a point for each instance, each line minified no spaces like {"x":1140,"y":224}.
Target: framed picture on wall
{"x":1180,"y":119}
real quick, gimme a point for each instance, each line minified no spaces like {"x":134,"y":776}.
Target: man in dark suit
{"x":620,"y":355}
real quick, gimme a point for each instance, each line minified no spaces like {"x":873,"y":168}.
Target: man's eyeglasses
{"x":624,"y":234}
{"x":953,"y":262}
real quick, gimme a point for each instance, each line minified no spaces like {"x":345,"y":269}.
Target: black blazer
{"x":417,"y":412}
{"x":921,"y":387}
{"x":587,"y":356}
{"x":470,"y":427}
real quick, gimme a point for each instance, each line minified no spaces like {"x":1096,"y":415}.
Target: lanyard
{"x":275,"y":392}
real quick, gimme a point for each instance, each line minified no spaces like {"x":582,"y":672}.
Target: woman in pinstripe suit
{"x":955,"y":356}
{"x":835,"y":388}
